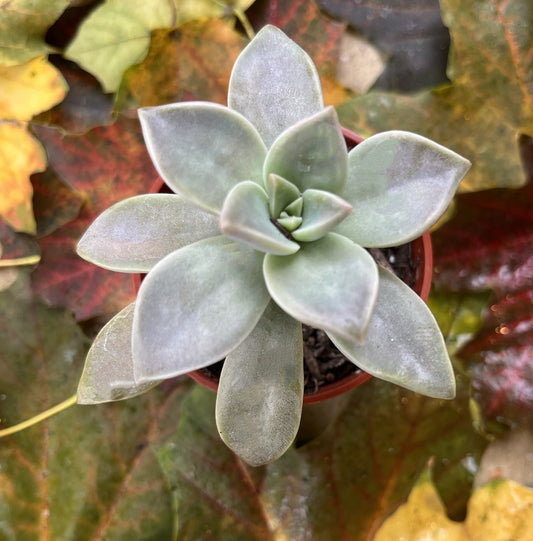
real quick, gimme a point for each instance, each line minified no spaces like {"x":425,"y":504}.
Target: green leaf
{"x":136,"y":233}
{"x":202,"y":150}
{"x":259,"y":400}
{"x":108,"y":372}
{"x":115,"y":36}
{"x":404,"y":344}
{"x":245,"y":218}
{"x":311,"y":154}
{"x":23,"y":25}
{"x":89,"y":471}
{"x":322,"y":211}
{"x":274,"y":84}
{"x":399,"y":184}
{"x":281,"y":193}
{"x":184,"y":324}
{"x":330,"y":284}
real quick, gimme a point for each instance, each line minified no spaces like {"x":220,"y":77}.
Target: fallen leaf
{"x":23,"y":25}
{"x":115,"y":36}
{"x":191,"y":62}
{"x":85,"y":106}
{"x":105,"y":165}
{"x":487,"y":246}
{"x":20,"y":156}
{"x":410,"y":34}
{"x":89,"y":472}
{"x":319,"y":35}
{"x":489,"y":103}
{"x":339,"y":486}
{"x":498,"y":510}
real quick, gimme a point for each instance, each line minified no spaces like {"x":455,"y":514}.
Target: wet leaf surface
{"x":411,"y":34}
{"x":88,"y":473}
{"x":105,"y":165}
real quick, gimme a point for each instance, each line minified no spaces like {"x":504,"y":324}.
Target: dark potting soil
{"x":323,"y":362}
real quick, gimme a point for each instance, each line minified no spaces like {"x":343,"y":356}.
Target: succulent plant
{"x":268,"y":229}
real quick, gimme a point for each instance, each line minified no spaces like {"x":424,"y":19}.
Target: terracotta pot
{"x":421,"y":253}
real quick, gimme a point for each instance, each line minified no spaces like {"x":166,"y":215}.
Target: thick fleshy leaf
{"x":202,"y":150}
{"x":259,"y":400}
{"x":404,"y":344}
{"x":322,"y":211}
{"x":399,"y":184}
{"x":108,"y":372}
{"x":281,"y":193}
{"x":245,"y":217}
{"x":195,"y":306}
{"x":136,"y":233}
{"x":274,"y":84}
{"x":311,"y":154}
{"x":330,"y":284}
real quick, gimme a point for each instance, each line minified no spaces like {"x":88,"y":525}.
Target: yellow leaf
{"x":500,"y":510}
{"x":30,"y":88}
{"x":20,"y":156}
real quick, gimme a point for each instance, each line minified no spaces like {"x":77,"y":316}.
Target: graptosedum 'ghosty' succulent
{"x":267,"y":230}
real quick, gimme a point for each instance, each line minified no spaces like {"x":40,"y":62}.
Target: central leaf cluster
{"x":298,"y":200}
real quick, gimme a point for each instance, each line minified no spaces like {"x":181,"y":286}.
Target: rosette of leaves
{"x":267,"y":230}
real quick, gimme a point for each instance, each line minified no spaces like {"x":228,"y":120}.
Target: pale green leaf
{"x":399,"y":184}
{"x":195,"y":306}
{"x":259,"y":400}
{"x":202,"y":150}
{"x":404,"y":344}
{"x":136,"y":233}
{"x":108,"y":371}
{"x":245,"y":218}
{"x":115,"y":36}
{"x":311,"y":154}
{"x":281,"y":193}
{"x":330,"y":284}
{"x":322,"y":211}
{"x":23,"y":25}
{"x":274,"y":84}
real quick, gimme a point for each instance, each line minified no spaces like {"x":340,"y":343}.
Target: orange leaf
{"x":20,"y":156}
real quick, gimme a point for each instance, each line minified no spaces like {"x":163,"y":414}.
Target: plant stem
{"x":20,"y":261}
{"x":40,"y":417}
{"x":239,"y":13}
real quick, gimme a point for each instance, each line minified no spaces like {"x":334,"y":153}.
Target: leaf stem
{"x":20,"y":261}
{"x":243,"y":19}
{"x":40,"y":417}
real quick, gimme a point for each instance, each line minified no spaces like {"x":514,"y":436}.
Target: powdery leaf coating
{"x":274,"y":84}
{"x":236,"y":151}
{"x":245,"y":218}
{"x":316,"y":285}
{"x":311,"y":154}
{"x":260,"y":393}
{"x":404,"y":344}
{"x":136,"y":233}
{"x":108,"y":372}
{"x":187,"y":323}
{"x":399,"y":184}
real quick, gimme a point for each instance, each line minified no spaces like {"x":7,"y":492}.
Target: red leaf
{"x":489,"y":245}
{"x":105,"y":165}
